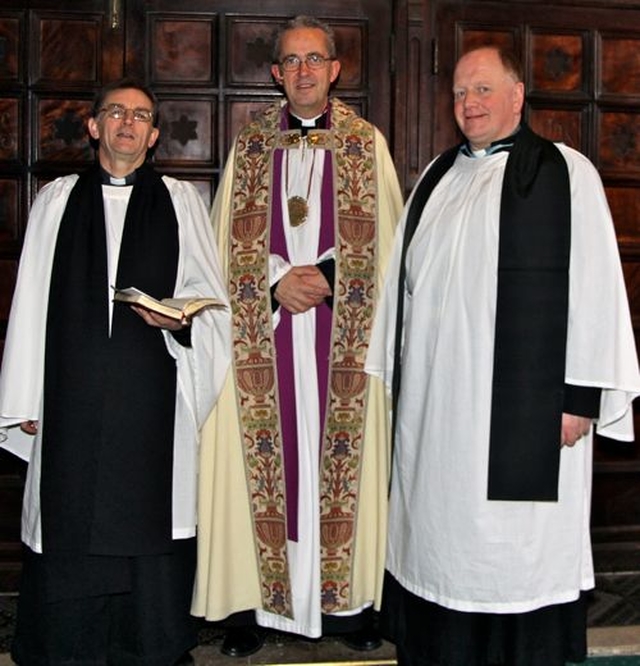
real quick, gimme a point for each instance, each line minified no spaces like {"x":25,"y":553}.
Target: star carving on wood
{"x":623,"y":141}
{"x":69,"y":128}
{"x":184,"y":130}
{"x":259,"y":52}
{"x":557,"y":63}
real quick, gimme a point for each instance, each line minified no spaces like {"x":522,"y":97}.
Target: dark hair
{"x":124,"y":84}
{"x":305,"y":22}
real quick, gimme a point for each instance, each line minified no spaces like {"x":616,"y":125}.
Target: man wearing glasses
{"x":295,"y":456}
{"x":106,"y":401}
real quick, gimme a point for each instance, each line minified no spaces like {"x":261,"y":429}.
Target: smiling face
{"x":123,"y":142}
{"x":307,"y":90}
{"x":487,"y":98}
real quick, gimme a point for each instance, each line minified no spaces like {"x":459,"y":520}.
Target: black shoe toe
{"x":363,"y":640}
{"x":185,"y":660}
{"x":242,"y":642}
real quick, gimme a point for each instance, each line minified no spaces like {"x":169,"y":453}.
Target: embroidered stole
{"x":350,"y":140}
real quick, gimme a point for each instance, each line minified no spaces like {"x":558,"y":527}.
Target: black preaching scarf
{"x":531,"y":317}
{"x":109,"y":402}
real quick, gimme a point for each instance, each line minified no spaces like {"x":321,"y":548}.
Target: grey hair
{"x":305,"y":22}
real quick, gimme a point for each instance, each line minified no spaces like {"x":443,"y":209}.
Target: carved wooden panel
{"x":250,"y":46}
{"x":11,"y":134}
{"x":61,"y":133}
{"x":566,"y":125}
{"x":10,"y":34}
{"x":182,"y":50}
{"x":620,"y":65}
{"x":351,"y":44}
{"x":624,"y":202}
{"x":186,"y":132}
{"x":69,"y":48}
{"x":618,"y":144}
{"x":557,"y":63}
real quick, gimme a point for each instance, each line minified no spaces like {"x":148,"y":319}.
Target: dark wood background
{"x":208,"y":61}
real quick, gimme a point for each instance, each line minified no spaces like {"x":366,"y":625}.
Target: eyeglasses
{"x":312,"y":60}
{"x":119,"y":112}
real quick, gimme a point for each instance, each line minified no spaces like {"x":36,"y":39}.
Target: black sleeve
{"x":328,"y":269}
{"x":274,"y":303}
{"x":183,"y":336}
{"x":582,"y":400}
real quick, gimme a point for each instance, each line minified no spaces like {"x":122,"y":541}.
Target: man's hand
{"x":573,"y":428}
{"x":302,"y":288}
{"x":30,"y":427}
{"x":158,"y":320}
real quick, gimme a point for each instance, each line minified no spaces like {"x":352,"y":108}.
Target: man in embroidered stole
{"x":106,"y":401}
{"x":295,"y":457}
{"x":504,"y":332}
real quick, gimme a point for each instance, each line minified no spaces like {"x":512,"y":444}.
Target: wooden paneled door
{"x":208,"y":61}
{"x":583,"y":88}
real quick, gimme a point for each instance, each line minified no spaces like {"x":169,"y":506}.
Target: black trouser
{"x":148,"y":624}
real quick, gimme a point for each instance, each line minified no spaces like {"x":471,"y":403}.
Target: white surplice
{"x":447,"y":543}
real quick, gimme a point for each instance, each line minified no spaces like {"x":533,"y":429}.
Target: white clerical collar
{"x":308,"y":122}
{"x":109,"y":179}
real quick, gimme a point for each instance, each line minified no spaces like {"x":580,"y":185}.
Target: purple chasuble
{"x":283,"y":333}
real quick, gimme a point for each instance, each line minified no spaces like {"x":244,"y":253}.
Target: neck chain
{"x":297,"y":205}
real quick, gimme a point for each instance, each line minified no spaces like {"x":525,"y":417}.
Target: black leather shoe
{"x":364,"y":640}
{"x":185,"y":660}
{"x":242,"y":642}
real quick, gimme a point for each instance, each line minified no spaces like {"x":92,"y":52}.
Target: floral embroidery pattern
{"x":353,"y":314}
{"x":254,"y":351}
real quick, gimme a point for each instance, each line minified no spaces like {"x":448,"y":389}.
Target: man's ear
{"x":153,"y":137}
{"x":276,"y":73}
{"x":94,"y":131}
{"x":518,"y":97}
{"x":335,"y":70}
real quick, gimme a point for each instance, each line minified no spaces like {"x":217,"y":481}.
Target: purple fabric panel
{"x":284,"y":363}
{"x":324,"y":314}
{"x":283,"y":334}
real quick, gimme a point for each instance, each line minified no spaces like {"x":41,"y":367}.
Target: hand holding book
{"x":180,"y":309}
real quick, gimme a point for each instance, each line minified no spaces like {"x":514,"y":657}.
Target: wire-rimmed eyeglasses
{"x":119,"y":112}
{"x":312,"y":60}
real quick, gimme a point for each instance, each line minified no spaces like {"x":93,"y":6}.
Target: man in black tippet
{"x":505,"y":332}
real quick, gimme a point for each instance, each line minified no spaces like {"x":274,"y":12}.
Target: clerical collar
{"x":502,"y":145}
{"x":305,"y":124}
{"x":108,"y":179}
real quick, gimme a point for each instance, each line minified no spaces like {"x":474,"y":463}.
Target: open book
{"x":177,"y":308}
